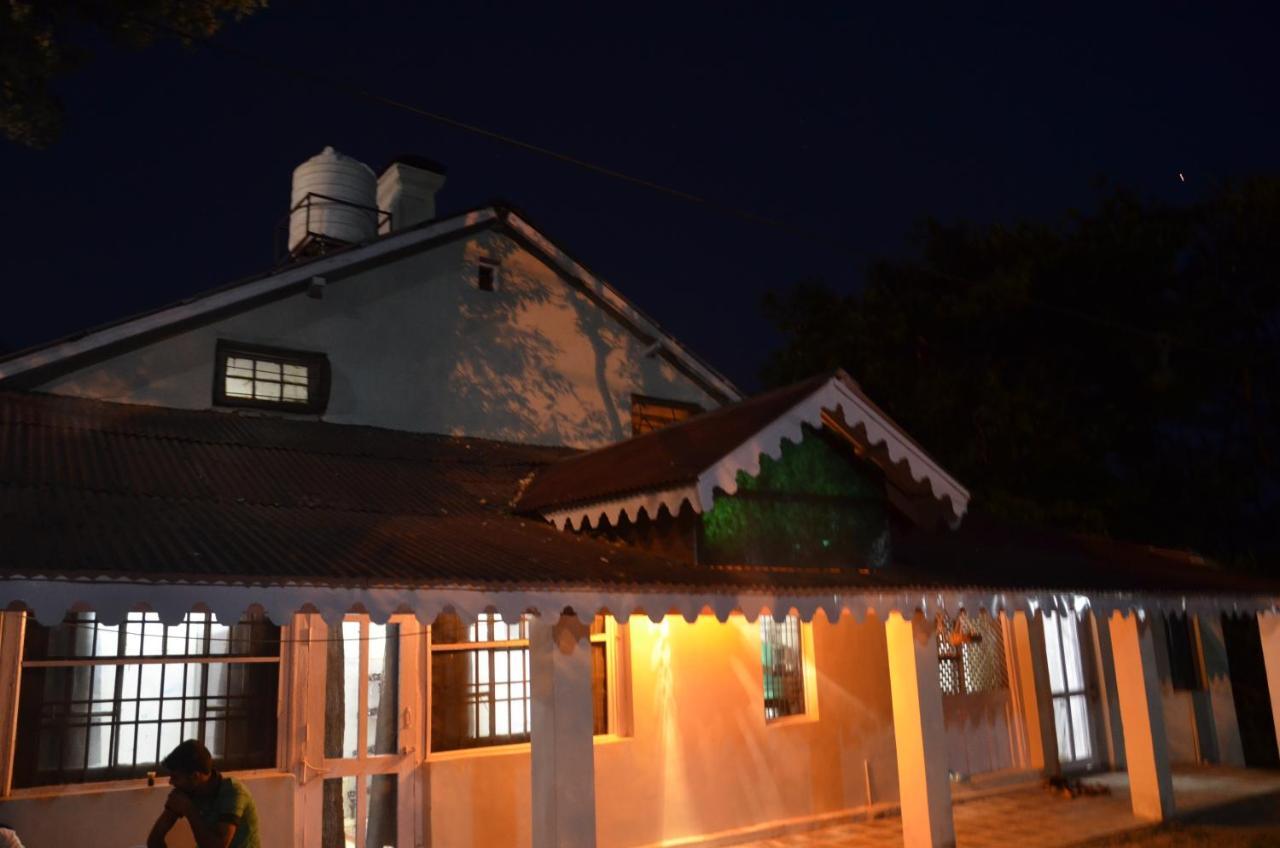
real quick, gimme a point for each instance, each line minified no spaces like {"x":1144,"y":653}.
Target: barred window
{"x":650,"y":413}
{"x":480,"y":687}
{"x":104,"y":702}
{"x":971,"y":655}
{"x":782,"y":658}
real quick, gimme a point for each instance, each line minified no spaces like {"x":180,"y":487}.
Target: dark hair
{"x":189,"y":757}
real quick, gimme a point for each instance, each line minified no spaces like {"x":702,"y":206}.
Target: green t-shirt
{"x":231,"y":803}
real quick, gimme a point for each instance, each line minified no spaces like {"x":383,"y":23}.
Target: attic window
{"x":651,"y":413}
{"x":486,"y":275}
{"x":270,"y":378}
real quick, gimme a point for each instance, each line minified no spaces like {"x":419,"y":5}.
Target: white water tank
{"x":334,"y":199}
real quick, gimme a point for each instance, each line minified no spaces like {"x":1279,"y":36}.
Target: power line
{"x":805,"y":234}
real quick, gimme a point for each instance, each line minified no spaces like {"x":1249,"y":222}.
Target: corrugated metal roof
{"x":89,"y":488}
{"x":661,"y":458}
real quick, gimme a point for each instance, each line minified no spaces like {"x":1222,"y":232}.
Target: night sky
{"x":173,"y":170}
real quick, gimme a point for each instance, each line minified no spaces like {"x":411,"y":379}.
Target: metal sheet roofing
{"x":96,"y":489}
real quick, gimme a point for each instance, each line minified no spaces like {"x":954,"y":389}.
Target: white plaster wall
{"x":120,"y":815}
{"x":414,"y":345}
{"x":702,"y":760}
{"x":980,"y":732}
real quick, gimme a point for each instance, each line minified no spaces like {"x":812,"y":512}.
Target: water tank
{"x":334,"y":199}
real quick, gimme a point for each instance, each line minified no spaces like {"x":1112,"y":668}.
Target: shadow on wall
{"x":536,"y":356}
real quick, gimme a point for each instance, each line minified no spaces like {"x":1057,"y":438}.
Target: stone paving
{"x":1029,"y":816}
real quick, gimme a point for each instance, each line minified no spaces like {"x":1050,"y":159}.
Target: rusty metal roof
{"x":660,"y":458}
{"x":91,"y":488}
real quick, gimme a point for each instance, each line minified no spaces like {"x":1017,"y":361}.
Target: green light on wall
{"x":815,"y":505}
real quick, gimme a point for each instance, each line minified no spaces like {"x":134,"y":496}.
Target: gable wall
{"x":413,"y":345}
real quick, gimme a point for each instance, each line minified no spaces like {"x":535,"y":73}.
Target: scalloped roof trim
{"x":50,"y":599}
{"x":833,"y":396}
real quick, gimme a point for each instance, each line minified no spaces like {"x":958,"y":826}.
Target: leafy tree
{"x":43,"y":40}
{"x":1117,"y":372}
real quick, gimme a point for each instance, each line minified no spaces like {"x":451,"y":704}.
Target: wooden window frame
{"x":115,"y":772}
{"x":680,"y":405}
{"x":805,"y":670}
{"x":318,"y":376}
{"x":615,"y":640}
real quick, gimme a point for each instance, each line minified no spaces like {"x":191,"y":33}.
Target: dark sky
{"x":174,"y":166}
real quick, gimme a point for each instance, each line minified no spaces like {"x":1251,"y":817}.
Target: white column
{"x":1269,"y":630}
{"x":563,"y":772}
{"x":1032,"y":680}
{"x":1146,"y":745}
{"x":918,"y":731}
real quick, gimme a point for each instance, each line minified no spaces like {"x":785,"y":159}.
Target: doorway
{"x":365,"y":798}
{"x":1072,"y":695}
{"x":1249,"y":690}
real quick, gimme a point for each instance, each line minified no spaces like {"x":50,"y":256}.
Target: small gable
{"x":815,"y":505}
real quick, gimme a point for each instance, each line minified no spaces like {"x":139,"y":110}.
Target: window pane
{"x":1080,"y":727}
{"x":295,"y":393}
{"x":1071,"y":652}
{"x":1053,"y":653}
{"x":382,"y":811}
{"x":1062,"y":723}
{"x":384,"y":672}
{"x":342,"y":685}
{"x":338,"y":828}
{"x":239,"y":387}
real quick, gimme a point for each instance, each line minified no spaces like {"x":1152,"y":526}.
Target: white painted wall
{"x":702,"y":760}
{"x":414,"y":345}
{"x":120,"y":815}
{"x":981,"y":732}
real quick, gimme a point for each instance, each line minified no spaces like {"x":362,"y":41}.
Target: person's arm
{"x":217,"y":836}
{"x":163,"y":825}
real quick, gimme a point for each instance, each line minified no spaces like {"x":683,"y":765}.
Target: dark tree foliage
{"x":1118,"y":373}
{"x":43,"y":40}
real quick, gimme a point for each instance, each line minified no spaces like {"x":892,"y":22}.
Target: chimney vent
{"x":407,"y":189}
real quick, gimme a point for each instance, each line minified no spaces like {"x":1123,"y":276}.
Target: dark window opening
{"x":650,"y":413}
{"x":1184,"y":670}
{"x":485,"y":277}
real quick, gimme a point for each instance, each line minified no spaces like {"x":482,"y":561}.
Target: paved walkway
{"x":1030,"y":816}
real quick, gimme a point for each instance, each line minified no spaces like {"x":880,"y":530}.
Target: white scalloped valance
{"x":889,"y":445}
{"x":50,"y":599}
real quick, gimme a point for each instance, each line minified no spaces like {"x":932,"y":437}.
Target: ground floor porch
{"x":1017,"y":809}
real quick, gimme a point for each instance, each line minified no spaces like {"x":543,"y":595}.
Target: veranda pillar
{"x":563,"y":759}
{"x":918,"y":731}
{"x":1146,"y":745}
{"x":1269,"y":630}
{"x":1034,"y":691}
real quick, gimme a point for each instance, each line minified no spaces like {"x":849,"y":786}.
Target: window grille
{"x":782,"y":659}
{"x":971,"y":655}
{"x":649,"y":413}
{"x":259,"y":379}
{"x":480,"y":686}
{"x":104,"y":702}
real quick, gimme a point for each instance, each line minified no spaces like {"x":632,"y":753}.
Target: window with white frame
{"x":782,"y":658}
{"x":103,"y":702}
{"x":971,"y":655}
{"x":480,"y":686}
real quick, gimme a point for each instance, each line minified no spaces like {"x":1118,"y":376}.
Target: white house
{"x":435,"y":539}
